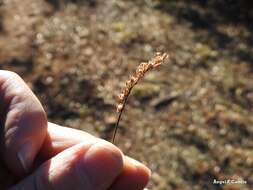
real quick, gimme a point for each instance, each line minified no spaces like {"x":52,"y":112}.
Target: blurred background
{"x":190,"y":120}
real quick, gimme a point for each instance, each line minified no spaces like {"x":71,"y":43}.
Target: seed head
{"x":158,"y":59}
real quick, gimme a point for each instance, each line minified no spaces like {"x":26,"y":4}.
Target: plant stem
{"x":119,"y":117}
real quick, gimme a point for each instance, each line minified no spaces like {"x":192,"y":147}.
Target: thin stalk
{"x":119,"y":117}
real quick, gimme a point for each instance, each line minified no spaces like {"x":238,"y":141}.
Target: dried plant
{"x":143,"y":68}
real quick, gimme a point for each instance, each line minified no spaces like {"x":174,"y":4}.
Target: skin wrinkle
{"x":12,"y":119}
{"x":14,"y":111}
{"x":4,"y":97}
{"x":84,"y":178}
{"x":9,"y":134}
{"x":7,"y":97}
{"x":15,"y":106}
{"x":80,"y":169}
{"x":17,"y":111}
{"x":12,"y":129}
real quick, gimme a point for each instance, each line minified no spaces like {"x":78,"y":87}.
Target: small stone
{"x":88,"y":51}
{"x":49,"y":80}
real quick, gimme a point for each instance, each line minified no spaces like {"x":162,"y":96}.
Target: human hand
{"x":38,"y":155}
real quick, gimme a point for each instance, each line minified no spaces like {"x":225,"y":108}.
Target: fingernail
{"x":102,"y":164}
{"x":25,"y":156}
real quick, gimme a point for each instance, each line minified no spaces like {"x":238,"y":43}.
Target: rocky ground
{"x":190,"y":120}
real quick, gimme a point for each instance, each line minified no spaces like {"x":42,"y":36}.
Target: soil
{"x":190,"y":120}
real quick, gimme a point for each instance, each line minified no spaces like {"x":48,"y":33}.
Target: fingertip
{"x":142,"y":170}
{"x":103,"y":162}
{"x":135,"y":176}
{"x":107,"y":150}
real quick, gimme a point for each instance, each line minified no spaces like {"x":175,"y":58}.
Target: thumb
{"x":83,"y":166}
{"x":23,"y":123}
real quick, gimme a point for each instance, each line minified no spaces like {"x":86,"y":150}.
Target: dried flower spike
{"x":158,"y":59}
